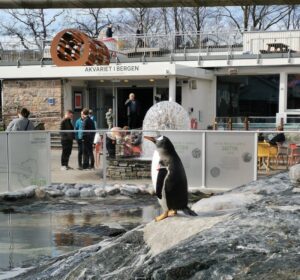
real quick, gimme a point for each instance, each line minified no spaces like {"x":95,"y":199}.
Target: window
{"x":293,"y":93}
{"x":247,"y":95}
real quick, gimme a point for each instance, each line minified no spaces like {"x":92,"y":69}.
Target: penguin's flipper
{"x":188,"y":211}
{"x":162,"y":173}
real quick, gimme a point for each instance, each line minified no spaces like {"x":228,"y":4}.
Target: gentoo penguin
{"x":169,"y":179}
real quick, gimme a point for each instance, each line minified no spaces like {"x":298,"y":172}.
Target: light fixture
{"x":101,"y":81}
{"x":151,"y":80}
{"x":125,"y":81}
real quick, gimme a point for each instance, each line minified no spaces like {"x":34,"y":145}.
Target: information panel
{"x":189,"y":148}
{"x":3,"y":163}
{"x":29,"y":160}
{"x":229,"y":159}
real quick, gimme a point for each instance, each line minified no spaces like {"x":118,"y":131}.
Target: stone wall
{"x":128,"y":168}
{"x":34,"y":94}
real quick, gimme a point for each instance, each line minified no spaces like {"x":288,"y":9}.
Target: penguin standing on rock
{"x":169,"y":179}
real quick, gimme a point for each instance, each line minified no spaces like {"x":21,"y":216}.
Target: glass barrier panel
{"x":229,"y":159}
{"x":3,"y":163}
{"x":189,"y":148}
{"x":85,"y":162}
{"x":29,"y":160}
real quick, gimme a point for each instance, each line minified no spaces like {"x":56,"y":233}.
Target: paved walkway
{"x":80,"y":176}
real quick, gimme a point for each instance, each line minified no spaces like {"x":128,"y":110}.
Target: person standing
{"x":88,"y":139}
{"x":78,"y":137}
{"x":92,"y":117}
{"x":133,"y":111}
{"x":22,"y":123}
{"x":66,"y":139}
{"x":139,"y":41}
{"x":109,"y":32}
{"x":109,"y":118}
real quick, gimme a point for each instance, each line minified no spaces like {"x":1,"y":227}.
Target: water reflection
{"x":28,"y":238}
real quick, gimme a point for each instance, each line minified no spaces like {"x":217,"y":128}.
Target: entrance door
{"x":143,"y":95}
{"x":100,"y":100}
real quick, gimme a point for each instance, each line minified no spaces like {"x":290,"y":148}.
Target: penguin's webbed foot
{"x":170,"y":213}
{"x":162,"y":216}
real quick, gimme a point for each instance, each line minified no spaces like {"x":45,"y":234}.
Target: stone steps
{"x":56,"y":142}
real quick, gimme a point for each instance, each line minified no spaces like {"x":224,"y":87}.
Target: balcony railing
{"x":204,"y":44}
{"x":256,"y":123}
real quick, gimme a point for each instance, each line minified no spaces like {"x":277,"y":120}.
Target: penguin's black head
{"x":162,"y":143}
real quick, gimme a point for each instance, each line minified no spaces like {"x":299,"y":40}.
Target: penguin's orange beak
{"x":152,"y":139}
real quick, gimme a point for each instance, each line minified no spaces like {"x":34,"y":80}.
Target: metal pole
{"x":7,"y":154}
{"x":203,"y":160}
{"x":104,"y":158}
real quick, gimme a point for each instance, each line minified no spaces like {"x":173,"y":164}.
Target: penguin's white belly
{"x":154,"y":168}
{"x":154,"y":174}
{"x":163,"y":201}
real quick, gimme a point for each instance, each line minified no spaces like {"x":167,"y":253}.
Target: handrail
{"x":217,"y":42}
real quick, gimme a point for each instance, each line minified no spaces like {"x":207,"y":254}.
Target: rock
{"x":100,"y":230}
{"x":80,"y":186}
{"x":294,"y":174}
{"x":225,"y":202}
{"x":87,"y":192}
{"x":100,"y":192}
{"x":129,"y":190}
{"x":112,"y":190}
{"x":54,"y":193}
{"x":143,"y":189}
{"x":72,"y":193}
{"x":12,"y":196}
{"x":40,"y":193}
{"x":30,"y":191}
{"x":62,"y":187}
{"x":238,"y":235}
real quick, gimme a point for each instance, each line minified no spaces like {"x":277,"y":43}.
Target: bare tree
{"x":31,"y":26}
{"x":292,"y":20}
{"x":148,"y":19}
{"x":90,"y":21}
{"x":257,"y":17}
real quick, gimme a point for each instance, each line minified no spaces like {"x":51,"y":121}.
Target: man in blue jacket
{"x":78,"y":137}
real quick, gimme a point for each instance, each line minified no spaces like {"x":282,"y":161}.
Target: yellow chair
{"x":265,"y":152}
{"x":283,"y":153}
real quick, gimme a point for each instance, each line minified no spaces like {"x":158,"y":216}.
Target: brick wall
{"x":128,"y":168}
{"x":34,"y":94}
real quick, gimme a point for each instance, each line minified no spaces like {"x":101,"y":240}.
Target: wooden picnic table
{"x":277,"y":47}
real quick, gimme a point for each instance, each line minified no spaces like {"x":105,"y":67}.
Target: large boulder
{"x":294,"y":174}
{"x":256,"y":237}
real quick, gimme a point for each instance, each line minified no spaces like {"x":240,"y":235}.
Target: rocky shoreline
{"x":76,"y":191}
{"x":251,"y":232}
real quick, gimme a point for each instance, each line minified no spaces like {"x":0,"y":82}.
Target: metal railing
{"x":201,"y":43}
{"x":157,"y":44}
{"x":256,"y":123}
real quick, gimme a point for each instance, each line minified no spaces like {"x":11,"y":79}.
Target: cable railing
{"x":204,"y":44}
{"x":255,"y":123}
{"x":130,"y":44}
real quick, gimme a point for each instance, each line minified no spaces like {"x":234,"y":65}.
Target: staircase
{"x":56,"y":141}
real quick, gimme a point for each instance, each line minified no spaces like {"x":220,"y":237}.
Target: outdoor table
{"x":277,"y":47}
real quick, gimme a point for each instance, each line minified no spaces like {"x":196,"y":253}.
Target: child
{"x":109,"y":118}
{"x":98,"y":140}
